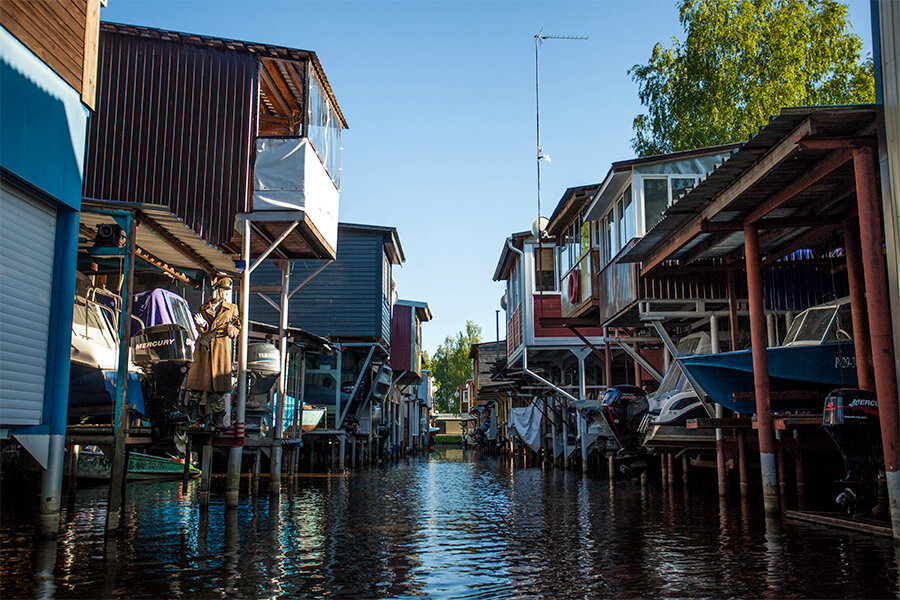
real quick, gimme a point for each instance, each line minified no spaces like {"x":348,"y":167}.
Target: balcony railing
{"x":617,"y":285}
{"x":576,"y":287}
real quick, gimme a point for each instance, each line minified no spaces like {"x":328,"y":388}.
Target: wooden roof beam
{"x":779,"y":223}
{"x":839,"y":143}
{"x":272,"y":92}
{"x":781,"y":151}
{"x":275,"y":76}
{"x":822,"y":168}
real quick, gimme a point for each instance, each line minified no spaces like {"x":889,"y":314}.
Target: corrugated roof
{"x":259,"y":49}
{"x":826,"y":122}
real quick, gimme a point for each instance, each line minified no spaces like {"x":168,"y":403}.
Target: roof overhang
{"x":794,"y":180}
{"x":571,"y":203}
{"x":421,"y":308}
{"x":161,"y":237}
{"x":391,"y":239}
{"x":501,"y":273}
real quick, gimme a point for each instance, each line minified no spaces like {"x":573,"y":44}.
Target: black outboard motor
{"x":263,"y":367}
{"x":164,"y":354}
{"x":851,"y":420}
{"x":623,"y":407}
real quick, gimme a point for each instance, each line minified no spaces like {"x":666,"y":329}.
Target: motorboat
{"x":817,"y":356}
{"x":95,"y":358}
{"x":93,"y":464}
{"x":676,"y":401}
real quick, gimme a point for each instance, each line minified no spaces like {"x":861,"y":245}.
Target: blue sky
{"x":440,"y":99}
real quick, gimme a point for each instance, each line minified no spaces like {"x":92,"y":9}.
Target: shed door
{"x":27,"y":243}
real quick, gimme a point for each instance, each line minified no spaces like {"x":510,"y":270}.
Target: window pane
{"x":627,"y":217}
{"x":656,"y":198}
{"x":545,"y":273}
{"x":681,"y":185}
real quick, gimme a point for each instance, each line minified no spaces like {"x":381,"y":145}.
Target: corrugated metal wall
{"x":172,"y":127}
{"x":344,"y":300}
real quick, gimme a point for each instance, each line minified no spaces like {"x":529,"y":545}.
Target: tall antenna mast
{"x":538,"y":40}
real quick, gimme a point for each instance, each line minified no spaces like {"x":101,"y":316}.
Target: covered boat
{"x":816,"y":357}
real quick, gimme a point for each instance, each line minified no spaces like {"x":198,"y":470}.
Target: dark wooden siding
{"x":53,"y":30}
{"x":401,"y":339}
{"x":344,"y":300}
{"x":172,"y":127}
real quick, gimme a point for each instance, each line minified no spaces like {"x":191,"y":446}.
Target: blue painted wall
{"x":344,"y":300}
{"x":42,"y":150}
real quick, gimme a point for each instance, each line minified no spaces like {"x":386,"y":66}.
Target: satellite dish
{"x":539,"y":227}
{"x":503,"y":302}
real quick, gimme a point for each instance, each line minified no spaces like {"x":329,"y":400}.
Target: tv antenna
{"x":538,"y":40}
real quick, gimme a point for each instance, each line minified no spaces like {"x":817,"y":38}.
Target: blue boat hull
{"x":819,"y":369}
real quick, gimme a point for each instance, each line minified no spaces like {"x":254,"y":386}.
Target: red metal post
{"x":871,"y":233}
{"x":766,"y":430}
{"x":862,"y":347}
{"x":637,"y":366}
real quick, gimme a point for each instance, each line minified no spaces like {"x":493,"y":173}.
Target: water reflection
{"x":449,"y":527}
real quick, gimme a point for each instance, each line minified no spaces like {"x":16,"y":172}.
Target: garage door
{"x":27,"y":241}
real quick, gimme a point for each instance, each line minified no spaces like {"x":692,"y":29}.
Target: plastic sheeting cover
{"x":527,"y":424}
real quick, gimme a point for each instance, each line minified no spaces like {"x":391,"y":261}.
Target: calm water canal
{"x":445,"y":527}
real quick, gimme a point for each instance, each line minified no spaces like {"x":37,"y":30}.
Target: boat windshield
{"x":842,"y":330}
{"x":674,"y":378}
{"x":182,"y":314}
{"x":89,"y":323}
{"x":810,"y":326}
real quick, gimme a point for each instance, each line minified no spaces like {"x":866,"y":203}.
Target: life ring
{"x":574,"y":284}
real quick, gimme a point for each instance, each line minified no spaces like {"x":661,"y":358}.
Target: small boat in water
{"x":675,"y":401}
{"x":816,"y":357}
{"x":93,"y":464}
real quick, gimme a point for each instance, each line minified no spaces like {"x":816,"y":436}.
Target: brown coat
{"x":211,"y":371}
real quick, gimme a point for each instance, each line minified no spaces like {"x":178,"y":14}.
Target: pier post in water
{"x":205,"y":472}
{"x":799,"y":473}
{"x":742,"y":462}
{"x":758,"y":343}
{"x":871,"y":233}
{"x":278,"y":431}
{"x":721,"y":473}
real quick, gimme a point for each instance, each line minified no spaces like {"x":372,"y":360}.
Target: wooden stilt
{"x":742,"y":462}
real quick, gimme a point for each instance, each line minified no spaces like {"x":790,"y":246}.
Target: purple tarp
{"x":161,"y":306}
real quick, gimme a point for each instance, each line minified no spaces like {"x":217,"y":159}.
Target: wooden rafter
{"x":277,"y":79}
{"x":272,"y":93}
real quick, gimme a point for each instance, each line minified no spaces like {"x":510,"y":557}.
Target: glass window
{"x":656,"y":199}
{"x":609,"y":237}
{"x":680,"y":186}
{"x":627,"y":218}
{"x":842,"y":330}
{"x":324,"y":129}
{"x":544,"y":270}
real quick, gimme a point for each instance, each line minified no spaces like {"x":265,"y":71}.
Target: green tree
{"x":452,"y":366}
{"x":740,"y":63}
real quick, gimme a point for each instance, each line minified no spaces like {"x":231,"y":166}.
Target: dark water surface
{"x":444,"y":527}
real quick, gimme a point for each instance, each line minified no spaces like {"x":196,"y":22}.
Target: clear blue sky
{"x":440,"y":101}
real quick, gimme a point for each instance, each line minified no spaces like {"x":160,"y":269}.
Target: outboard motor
{"x":164,"y":354}
{"x":851,"y":420}
{"x":623,"y":407}
{"x":263,"y":367}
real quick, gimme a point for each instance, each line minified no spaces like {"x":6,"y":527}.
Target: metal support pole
{"x":637,"y":366}
{"x":582,"y":424}
{"x":343,"y":452}
{"x":861,"y":343}
{"x":721,"y":473}
{"x":765,"y":429}
{"x":771,"y":337}
{"x":871,"y":233}
{"x":565,"y":438}
{"x":205,"y":472}
{"x":278,"y":433}
{"x":235,"y":455}
{"x":685,"y":463}
{"x":118,"y":458}
{"x":257,"y":467}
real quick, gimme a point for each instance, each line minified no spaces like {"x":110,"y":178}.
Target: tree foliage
{"x":740,"y":63}
{"x":451,"y":366}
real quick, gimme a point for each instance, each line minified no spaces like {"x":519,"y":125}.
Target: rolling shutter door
{"x":27,"y":243}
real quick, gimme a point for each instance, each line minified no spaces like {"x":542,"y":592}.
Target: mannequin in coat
{"x":218,"y":322}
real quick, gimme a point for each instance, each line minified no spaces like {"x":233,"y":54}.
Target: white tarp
{"x":288,"y":175}
{"x":527,"y":424}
